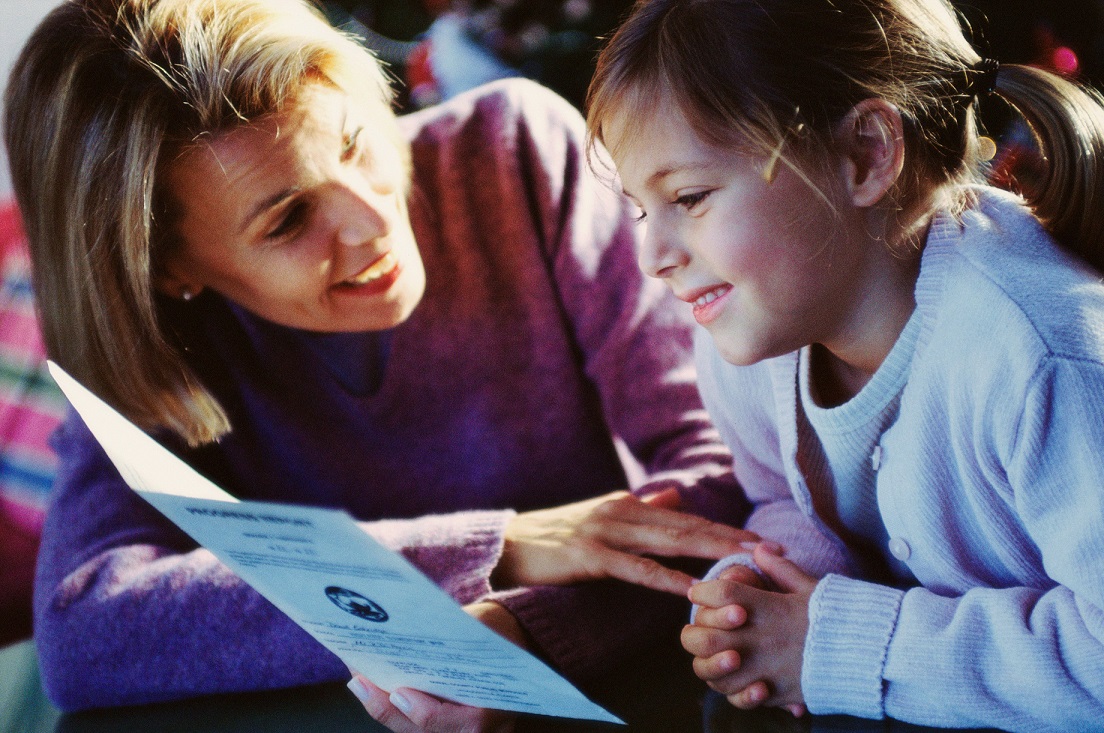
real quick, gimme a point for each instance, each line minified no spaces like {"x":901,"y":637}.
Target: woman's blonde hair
{"x":104,"y":93}
{"x":776,"y":75}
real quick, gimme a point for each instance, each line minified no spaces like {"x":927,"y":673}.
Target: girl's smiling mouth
{"x":709,"y":303}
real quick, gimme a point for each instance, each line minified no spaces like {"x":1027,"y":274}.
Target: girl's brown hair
{"x":102,"y":95}
{"x":763,"y":73}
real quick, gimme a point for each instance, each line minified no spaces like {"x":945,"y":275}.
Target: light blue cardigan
{"x":991,"y":483}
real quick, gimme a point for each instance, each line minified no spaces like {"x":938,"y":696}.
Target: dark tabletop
{"x":656,"y":695}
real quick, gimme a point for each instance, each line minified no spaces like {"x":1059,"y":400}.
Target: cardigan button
{"x":900,"y":549}
{"x":876,"y":458}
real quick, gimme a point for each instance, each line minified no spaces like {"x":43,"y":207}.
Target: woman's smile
{"x":301,"y":218}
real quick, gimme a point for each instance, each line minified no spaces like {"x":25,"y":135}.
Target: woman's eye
{"x":640,"y":217}
{"x":690,"y":200}
{"x":349,"y":143}
{"x":291,"y":220}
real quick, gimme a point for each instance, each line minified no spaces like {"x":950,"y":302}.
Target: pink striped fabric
{"x":30,"y":404}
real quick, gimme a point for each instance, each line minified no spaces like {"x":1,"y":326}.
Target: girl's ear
{"x":872,"y":143}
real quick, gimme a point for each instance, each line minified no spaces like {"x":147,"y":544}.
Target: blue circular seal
{"x":352,"y":602}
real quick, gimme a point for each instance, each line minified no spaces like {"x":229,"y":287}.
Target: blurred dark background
{"x":438,"y":48}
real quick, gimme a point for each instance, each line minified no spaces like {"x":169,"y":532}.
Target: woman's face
{"x":299,"y":217}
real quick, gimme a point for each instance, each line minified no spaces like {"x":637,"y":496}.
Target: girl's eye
{"x":349,"y":143}
{"x":292,"y":219}
{"x":689,"y":201}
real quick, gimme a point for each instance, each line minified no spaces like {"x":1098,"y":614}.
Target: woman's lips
{"x":376,"y":278}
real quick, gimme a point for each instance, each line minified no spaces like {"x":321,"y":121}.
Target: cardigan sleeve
{"x":1025,"y":654}
{"x":129,"y":611}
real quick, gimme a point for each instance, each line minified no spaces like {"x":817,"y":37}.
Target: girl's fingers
{"x":702,"y":641}
{"x":725,"y":618}
{"x":796,"y":710}
{"x":787,"y":576}
{"x":719,"y":593}
{"x":751,"y":696}
{"x":718,"y":666}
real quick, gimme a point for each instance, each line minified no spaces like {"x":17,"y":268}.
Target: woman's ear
{"x":174,"y":285}
{"x":872,"y":144}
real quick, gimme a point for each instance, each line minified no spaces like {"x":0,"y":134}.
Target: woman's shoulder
{"x":496,"y":113}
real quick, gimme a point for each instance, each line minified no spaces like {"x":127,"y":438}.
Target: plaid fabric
{"x":31,"y":405}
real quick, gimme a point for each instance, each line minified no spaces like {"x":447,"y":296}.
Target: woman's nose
{"x":659,"y":255}
{"x":362,"y":216}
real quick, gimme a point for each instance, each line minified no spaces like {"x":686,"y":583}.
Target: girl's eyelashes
{"x":689,"y":201}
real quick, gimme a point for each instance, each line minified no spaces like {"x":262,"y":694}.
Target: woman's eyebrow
{"x":267,"y":203}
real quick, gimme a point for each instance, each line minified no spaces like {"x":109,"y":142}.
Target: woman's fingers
{"x":643,"y":525}
{"x":600,"y":561}
{"x":433,"y":715}
{"x":607,"y":537}
{"x":411,"y":711}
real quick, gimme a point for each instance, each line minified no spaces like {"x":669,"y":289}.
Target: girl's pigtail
{"x":1068,"y":123}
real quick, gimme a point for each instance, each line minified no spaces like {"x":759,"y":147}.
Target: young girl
{"x":906,"y":357}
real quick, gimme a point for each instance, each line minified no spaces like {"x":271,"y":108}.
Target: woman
{"x":430,"y":322}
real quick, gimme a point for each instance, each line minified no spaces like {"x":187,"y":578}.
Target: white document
{"x":363,"y":602}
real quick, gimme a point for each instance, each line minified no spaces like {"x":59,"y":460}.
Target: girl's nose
{"x":659,"y":256}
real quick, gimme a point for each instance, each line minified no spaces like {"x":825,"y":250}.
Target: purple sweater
{"x":539,"y":369}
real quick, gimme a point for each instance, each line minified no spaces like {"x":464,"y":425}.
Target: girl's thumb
{"x":783,"y":573}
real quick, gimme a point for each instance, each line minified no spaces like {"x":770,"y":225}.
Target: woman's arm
{"x":128,"y":610}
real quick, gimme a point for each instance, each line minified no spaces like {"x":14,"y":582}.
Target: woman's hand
{"x":411,"y":711}
{"x":748,"y":642}
{"x":606,"y":537}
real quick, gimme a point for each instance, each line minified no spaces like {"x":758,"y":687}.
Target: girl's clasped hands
{"x":748,"y":630}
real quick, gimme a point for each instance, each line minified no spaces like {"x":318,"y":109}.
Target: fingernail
{"x":749,"y":546}
{"x":357,"y":688}
{"x":399,"y":701}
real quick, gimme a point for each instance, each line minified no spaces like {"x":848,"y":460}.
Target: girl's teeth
{"x":380,"y":267}
{"x":711,"y":296}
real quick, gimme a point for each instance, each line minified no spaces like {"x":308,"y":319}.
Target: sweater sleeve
{"x":1025,"y":654}
{"x":129,"y":611}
